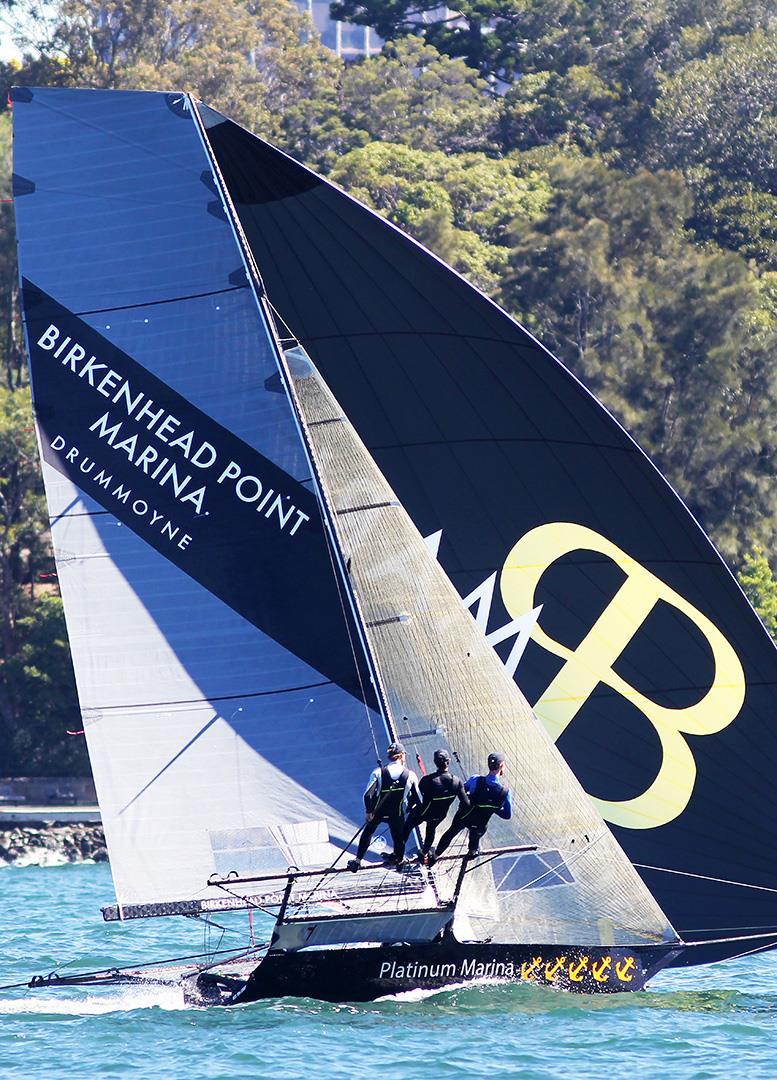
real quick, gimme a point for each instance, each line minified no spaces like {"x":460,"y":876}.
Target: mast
{"x":260,"y":295}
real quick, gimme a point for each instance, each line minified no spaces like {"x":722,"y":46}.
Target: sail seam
{"x":158,"y":303}
{"x":221,"y":697}
{"x":501,"y":439}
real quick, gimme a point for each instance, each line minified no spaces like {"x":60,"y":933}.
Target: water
{"x":700,"y":1023}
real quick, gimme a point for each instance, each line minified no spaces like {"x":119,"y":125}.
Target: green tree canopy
{"x":458,"y":205}
{"x":253,"y":60}
{"x":760,"y":585}
{"x":674,"y":340}
{"x":720,"y":112}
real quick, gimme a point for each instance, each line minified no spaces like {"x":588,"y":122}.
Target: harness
{"x":486,"y":800}
{"x":437,"y":806}
{"x":392,"y":793}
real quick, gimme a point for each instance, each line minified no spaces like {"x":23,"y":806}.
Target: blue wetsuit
{"x":487,"y":797}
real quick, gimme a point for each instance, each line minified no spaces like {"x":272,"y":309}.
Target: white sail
{"x":445,"y":686}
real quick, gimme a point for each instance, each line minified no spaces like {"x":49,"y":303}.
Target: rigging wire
{"x":54,"y":977}
{"x":735,"y":937}
{"x":706,"y":877}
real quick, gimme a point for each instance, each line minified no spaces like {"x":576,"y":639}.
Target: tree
{"x":758,"y":581}
{"x":411,"y":94}
{"x":414,"y":95}
{"x":24,"y":547}
{"x":674,"y":340}
{"x":253,"y":60}
{"x":458,"y":205}
{"x":11,"y":348}
{"x":39,"y":677}
{"x":480,"y":32}
{"x":720,"y":113}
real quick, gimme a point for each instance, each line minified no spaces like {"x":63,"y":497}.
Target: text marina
{"x":174,"y":464}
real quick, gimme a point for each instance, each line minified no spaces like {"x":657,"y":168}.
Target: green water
{"x":693,"y":1023}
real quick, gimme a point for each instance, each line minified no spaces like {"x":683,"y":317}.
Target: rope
{"x":750,"y":952}
{"x":738,"y":937}
{"x":344,"y":607}
{"x":330,"y":868}
{"x":706,"y":877}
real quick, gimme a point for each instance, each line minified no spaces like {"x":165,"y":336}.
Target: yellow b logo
{"x":592,"y":662}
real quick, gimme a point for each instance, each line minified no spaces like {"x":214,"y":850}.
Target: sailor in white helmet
{"x":392,"y":791}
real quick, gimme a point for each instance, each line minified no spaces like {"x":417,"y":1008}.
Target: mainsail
{"x":223,"y":704}
{"x":647,"y":665}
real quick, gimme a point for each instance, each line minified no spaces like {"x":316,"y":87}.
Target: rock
{"x":31,"y":845}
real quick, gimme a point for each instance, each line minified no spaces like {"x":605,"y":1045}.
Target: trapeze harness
{"x":435,"y":807}
{"x":485,"y":800}
{"x":386,"y":806}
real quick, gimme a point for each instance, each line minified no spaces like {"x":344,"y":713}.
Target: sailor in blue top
{"x":488,"y":796}
{"x":392,"y":790}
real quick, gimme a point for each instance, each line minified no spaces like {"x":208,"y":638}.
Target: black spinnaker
{"x":647,"y":663}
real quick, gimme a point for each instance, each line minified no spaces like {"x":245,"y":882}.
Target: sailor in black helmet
{"x":391,"y":790}
{"x":438,"y":790}
{"x":488,"y":796}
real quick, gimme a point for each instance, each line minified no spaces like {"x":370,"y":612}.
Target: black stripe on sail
{"x":225,"y":514}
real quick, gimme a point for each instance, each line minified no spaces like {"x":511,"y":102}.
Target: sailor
{"x":391,"y":790}
{"x":438,"y":790}
{"x":488,"y":796}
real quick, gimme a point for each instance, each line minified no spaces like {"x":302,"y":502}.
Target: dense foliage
{"x":606,"y":169}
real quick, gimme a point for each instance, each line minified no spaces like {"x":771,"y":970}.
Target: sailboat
{"x":287,"y":452}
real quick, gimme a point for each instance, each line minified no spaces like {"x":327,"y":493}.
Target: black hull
{"x":363,"y":974}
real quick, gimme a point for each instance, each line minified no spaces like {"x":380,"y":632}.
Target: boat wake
{"x":127,"y":999}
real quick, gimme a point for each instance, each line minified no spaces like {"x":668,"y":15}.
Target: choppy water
{"x":707,"y":1022}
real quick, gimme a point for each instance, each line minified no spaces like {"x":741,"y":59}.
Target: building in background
{"x":349,"y":41}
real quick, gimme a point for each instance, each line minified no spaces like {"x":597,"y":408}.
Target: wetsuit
{"x":388,"y":793}
{"x":438,"y":790}
{"x":487,"y":797}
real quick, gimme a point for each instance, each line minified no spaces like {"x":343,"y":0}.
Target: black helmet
{"x":442,"y":759}
{"x":495,"y":760}
{"x":395,"y":750}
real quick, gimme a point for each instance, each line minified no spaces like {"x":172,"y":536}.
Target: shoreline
{"x":52,"y":844}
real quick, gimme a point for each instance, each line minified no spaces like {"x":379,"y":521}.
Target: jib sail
{"x":444,"y":685}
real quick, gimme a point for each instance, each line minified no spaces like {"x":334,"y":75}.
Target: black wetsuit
{"x":387,"y":806}
{"x":486,"y":799}
{"x":438,"y":791}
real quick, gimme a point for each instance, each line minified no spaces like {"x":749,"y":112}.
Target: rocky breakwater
{"x":52,"y":845}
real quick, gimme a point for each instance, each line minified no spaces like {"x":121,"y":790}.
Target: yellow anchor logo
{"x":552,"y":970}
{"x":528,"y":970}
{"x":601,"y":970}
{"x":622,"y":970}
{"x":577,"y":970}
